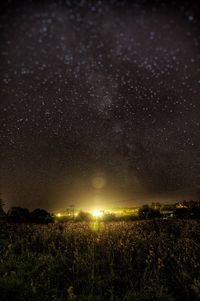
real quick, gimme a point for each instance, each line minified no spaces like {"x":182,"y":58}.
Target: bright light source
{"x":58,"y":214}
{"x":97,"y":213}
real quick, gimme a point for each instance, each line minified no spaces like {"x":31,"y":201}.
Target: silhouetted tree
{"x":182,"y":213}
{"x":156,"y":205}
{"x":18,"y":214}
{"x":146,"y":212}
{"x":41,"y":216}
{"x":83,"y":216}
{"x":187,"y":209}
{"x":2,"y":212}
{"x":195,"y":209}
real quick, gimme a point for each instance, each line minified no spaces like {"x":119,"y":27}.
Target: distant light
{"x":97,"y":213}
{"x":58,"y":214}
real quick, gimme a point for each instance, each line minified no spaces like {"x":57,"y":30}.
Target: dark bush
{"x":41,"y":216}
{"x":83,"y":216}
{"x":146,"y":212}
{"x":2,"y":212}
{"x":18,"y":215}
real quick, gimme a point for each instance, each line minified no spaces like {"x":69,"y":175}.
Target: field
{"x":141,"y":260}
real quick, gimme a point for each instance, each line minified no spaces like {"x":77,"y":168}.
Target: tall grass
{"x":100,"y":261}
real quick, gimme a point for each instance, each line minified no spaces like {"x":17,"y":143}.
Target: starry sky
{"x":99,"y":102}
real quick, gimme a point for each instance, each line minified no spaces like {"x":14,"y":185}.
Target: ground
{"x":140,"y":260}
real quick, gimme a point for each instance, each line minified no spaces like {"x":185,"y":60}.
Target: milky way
{"x":109,"y":89}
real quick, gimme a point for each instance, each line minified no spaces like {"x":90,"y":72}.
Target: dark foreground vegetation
{"x":90,"y":261}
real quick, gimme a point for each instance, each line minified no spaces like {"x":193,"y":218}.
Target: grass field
{"x":141,"y":260}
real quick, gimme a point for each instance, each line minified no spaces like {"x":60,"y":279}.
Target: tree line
{"x":182,"y":210}
{"x":23,"y":215}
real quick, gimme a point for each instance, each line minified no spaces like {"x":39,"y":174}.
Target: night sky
{"x":100,"y":103}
